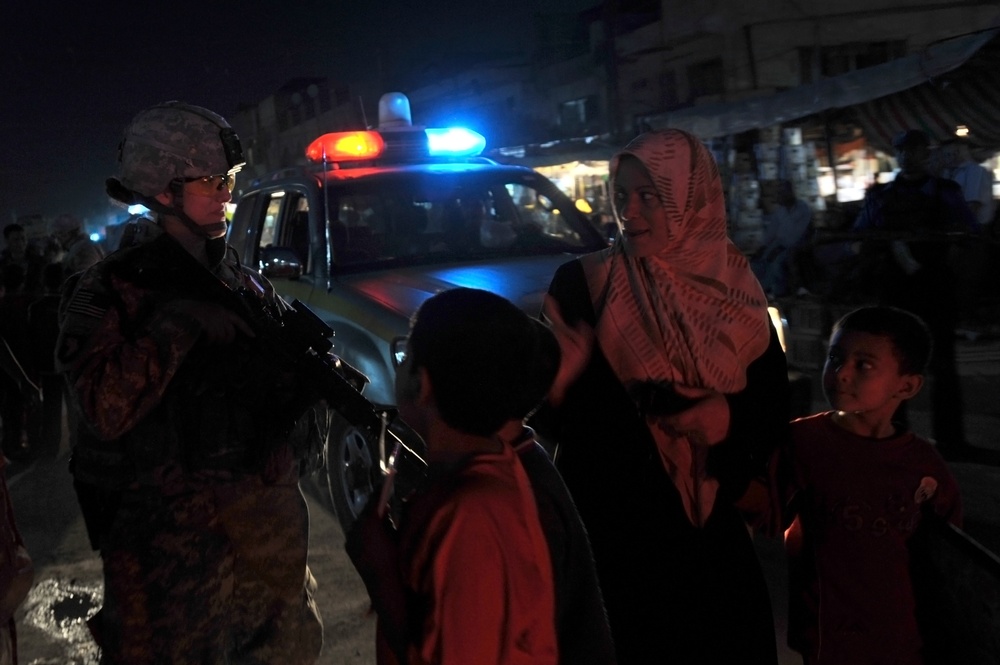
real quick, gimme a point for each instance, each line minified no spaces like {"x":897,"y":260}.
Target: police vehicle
{"x":380,"y":220}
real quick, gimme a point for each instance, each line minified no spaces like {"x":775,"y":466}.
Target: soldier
{"x":80,"y":251}
{"x":187,"y":481}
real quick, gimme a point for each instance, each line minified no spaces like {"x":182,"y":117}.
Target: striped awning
{"x":967,"y":95}
{"x":948,"y":83}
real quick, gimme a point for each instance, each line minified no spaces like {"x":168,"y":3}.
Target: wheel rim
{"x":355,"y":467}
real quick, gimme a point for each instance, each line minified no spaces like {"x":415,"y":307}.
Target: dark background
{"x":74,"y":74}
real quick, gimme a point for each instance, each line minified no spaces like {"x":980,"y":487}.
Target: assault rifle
{"x":297,"y":341}
{"x":288,"y":343}
{"x":300,"y":342}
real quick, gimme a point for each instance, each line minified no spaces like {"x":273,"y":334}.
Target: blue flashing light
{"x":137,"y":209}
{"x":454,"y":142}
{"x":96,"y":237}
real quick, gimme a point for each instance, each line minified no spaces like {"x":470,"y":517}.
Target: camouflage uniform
{"x":203,"y":528}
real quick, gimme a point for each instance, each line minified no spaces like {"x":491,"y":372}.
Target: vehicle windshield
{"x":432,"y":217}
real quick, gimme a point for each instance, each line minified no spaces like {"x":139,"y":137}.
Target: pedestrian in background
{"x":908,"y":228}
{"x":857,"y":488}
{"x":16,"y":568}
{"x":43,"y":331}
{"x":17,"y":252}
{"x":183,"y":469}
{"x":81,"y":251}
{"x":975,"y":260}
{"x":468,"y":578}
{"x":16,"y":571}
{"x":17,"y":409}
{"x":787,"y":222}
{"x":975,"y":179}
{"x":671,"y":394}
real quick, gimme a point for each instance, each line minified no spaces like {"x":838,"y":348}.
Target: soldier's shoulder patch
{"x":88,"y":302}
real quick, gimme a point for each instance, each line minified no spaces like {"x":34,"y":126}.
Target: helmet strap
{"x":175,"y":211}
{"x":215,"y":248}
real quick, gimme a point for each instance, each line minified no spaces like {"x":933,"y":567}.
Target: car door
{"x":275,"y":231}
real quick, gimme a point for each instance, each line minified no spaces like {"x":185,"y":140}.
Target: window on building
{"x":706,"y":78}
{"x":668,"y":90}
{"x":577,"y":114}
{"x":826,"y":61}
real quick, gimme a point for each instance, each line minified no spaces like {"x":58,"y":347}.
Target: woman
{"x":672,"y":393}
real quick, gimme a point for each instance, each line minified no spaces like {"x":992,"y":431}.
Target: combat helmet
{"x":171,"y":141}
{"x":66,"y":224}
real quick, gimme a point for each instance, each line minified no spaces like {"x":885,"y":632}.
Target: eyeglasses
{"x":398,"y":350}
{"x":210,"y":184}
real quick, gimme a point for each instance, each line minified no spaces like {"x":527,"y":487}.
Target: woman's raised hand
{"x":575,"y":345}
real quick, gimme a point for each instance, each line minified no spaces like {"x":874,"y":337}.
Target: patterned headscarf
{"x":694,"y":314}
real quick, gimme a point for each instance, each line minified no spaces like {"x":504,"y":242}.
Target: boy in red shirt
{"x":468,"y":577}
{"x":860,"y":485}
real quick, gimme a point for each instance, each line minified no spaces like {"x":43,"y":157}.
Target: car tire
{"x":351,"y":471}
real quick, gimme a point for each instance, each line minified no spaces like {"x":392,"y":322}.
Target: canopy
{"x":968,"y":95}
{"x":909,"y":92}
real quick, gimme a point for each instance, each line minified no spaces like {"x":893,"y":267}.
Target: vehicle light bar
{"x":346,"y":146}
{"x":396,"y":144}
{"x":454,"y":142}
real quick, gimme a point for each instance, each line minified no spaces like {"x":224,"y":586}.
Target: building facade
{"x":636,"y":64}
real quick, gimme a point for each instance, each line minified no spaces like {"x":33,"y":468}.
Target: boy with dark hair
{"x":859,"y":486}
{"x":468,"y":577}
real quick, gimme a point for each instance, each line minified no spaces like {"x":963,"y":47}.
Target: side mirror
{"x":280,"y":263}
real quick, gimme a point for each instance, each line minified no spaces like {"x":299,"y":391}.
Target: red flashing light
{"x":346,"y":146}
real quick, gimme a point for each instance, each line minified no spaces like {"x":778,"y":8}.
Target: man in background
{"x":81,"y":251}
{"x":975,"y":179}
{"x":909,"y":228}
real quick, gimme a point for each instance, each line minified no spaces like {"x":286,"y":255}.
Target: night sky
{"x":74,"y":75}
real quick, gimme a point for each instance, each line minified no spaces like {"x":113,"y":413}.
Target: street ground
{"x":68,"y":588}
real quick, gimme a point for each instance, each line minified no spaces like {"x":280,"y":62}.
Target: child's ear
{"x":424,"y":390}
{"x":411,"y":385}
{"x":910,"y":385}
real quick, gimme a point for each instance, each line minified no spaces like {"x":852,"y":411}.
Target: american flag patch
{"x":88,"y":303}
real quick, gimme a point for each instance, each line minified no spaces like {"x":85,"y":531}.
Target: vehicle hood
{"x":523,"y":281}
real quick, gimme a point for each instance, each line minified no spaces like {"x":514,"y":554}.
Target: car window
{"x":437,"y":218}
{"x":294,"y":229}
{"x":270,"y":221}
{"x":285,"y":224}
